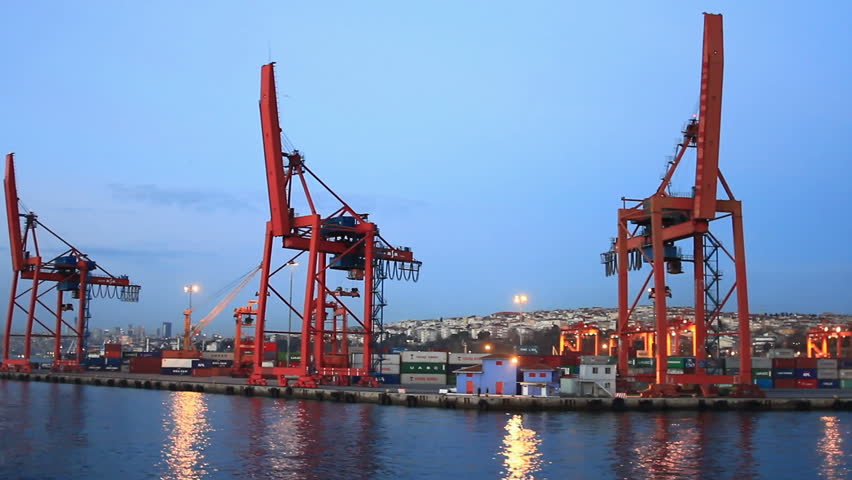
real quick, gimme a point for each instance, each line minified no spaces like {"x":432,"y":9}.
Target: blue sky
{"x":494,"y":138}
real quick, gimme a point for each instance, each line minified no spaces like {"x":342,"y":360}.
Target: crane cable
{"x":224,"y":302}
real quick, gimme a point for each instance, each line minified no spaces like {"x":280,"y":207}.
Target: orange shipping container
{"x":180,"y":354}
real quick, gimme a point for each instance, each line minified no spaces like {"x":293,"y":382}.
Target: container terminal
{"x":644,"y":367}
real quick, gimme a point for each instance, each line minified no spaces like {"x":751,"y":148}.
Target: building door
{"x":499,"y":388}
{"x":469,"y":386}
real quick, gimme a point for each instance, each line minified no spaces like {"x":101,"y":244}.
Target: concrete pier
{"x":387,"y":396}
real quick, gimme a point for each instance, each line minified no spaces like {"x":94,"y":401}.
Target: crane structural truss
{"x":340,"y":239}
{"x":35,"y":278}
{"x":649,"y":228}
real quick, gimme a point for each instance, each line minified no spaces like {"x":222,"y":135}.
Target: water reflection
{"x":831,"y":448}
{"x":522,"y":458}
{"x":187,"y":429}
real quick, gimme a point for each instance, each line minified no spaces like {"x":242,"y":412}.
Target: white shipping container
{"x":389,"y":369}
{"x":177,"y":363}
{"x":827,"y":373}
{"x":594,"y":360}
{"x":217,"y":355}
{"x":356,"y":360}
{"x":781,"y":353}
{"x":761,"y":362}
{"x":733,"y":362}
{"x":675,"y":371}
{"x":424,"y":357}
{"x":845,"y":374}
{"x":467,"y":358}
{"x":386,"y":358}
{"x":423,"y":379}
{"x":827,"y":363}
{"x":267,"y":364}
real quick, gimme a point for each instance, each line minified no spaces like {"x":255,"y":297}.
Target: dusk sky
{"x":494,"y":138}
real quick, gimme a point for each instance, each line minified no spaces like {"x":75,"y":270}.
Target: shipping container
{"x":112,"y":368}
{"x":202,"y":363}
{"x":112,"y":354}
{"x":129,"y":354}
{"x":597,"y":360}
{"x":806,"y":383}
{"x":282,"y":356}
{"x":827,"y":373}
{"x":783,"y":363}
{"x":423,"y":368}
{"x":386,"y":358}
{"x":218,"y":355}
{"x":783,"y":373}
{"x":113,"y":362}
{"x":784,"y":382}
{"x":680,"y":362}
{"x":423,"y":357}
{"x":389,"y":379}
{"x":828,"y":383}
{"x":845,"y":374}
{"x":732,"y":362}
{"x":844,"y":363}
{"x":156,"y":354}
{"x":643,"y":362}
{"x":781,"y":353}
{"x":270,"y":347}
{"x":803,"y":362}
{"x":203,"y":372}
{"x":177,"y":363}
{"x":761,"y":373}
{"x":846,"y":383}
{"x":180,"y":354}
{"x":388,"y":369}
{"x":806,"y":372}
{"x":221,"y":363}
{"x":825,"y":363}
{"x":675,"y":371}
{"x":267,"y":364}
{"x":423,"y":379}
{"x":176,"y":371}
{"x":147,"y":365}
{"x":466,"y":358}
{"x":763,"y":382}
{"x":761,"y":362}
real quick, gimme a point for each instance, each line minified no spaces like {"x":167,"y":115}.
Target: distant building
{"x":167,"y":329}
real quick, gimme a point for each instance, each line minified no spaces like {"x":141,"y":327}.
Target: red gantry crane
{"x":341,"y":239}
{"x":71,"y":271}
{"x":649,"y":228}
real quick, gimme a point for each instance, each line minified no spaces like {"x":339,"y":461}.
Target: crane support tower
{"x":35,"y":278}
{"x":341,"y":239}
{"x":649,"y":229}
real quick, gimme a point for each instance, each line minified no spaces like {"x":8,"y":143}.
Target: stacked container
{"x":457,"y":361}
{"x":679,"y":365}
{"x":177,"y":366}
{"x":761,"y":372}
{"x":387,"y":366}
{"x":423,"y":368}
{"x":844,"y":373}
{"x":784,"y":372}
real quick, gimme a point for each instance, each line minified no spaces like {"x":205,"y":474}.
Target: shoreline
{"x":391,"y":397}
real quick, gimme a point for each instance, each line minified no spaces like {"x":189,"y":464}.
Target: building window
{"x":499,"y":362}
{"x":542,"y":374}
{"x":469,"y":374}
{"x":608,"y":370}
{"x":594,"y":369}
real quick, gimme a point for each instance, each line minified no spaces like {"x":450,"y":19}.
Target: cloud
{"x":181,"y":197}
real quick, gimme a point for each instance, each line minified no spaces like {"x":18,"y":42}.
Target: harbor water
{"x":62,"y":431}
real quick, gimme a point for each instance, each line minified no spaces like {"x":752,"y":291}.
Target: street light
{"x":520,"y":299}
{"x":487,"y":347}
{"x":187,"y":314}
{"x":293,"y":264}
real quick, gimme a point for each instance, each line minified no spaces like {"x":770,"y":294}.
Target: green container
{"x":644,"y":362}
{"x":675,"y":362}
{"x":574,"y":369}
{"x":846,"y":383}
{"x":761,"y":372}
{"x":294,"y":356}
{"x":424,"y":368}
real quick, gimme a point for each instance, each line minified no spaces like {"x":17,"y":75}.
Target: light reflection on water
{"x":830,"y":447}
{"x":187,"y":436}
{"x":521,"y":457}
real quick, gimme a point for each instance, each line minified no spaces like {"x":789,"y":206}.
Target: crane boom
{"x":709,"y":119}
{"x":195,"y":329}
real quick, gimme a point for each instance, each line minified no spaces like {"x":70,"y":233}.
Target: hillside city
{"x":538,"y":328}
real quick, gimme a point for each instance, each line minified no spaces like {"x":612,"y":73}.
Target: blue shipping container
{"x":201,"y":363}
{"x":783,"y":373}
{"x":112,"y":362}
{"x":176,"y":371}
{"x":391,"y":379}
{"x":112,"y":368}
{"x":763,"y":382}
{"x":221,"y":363}
{"x":94,"y":367}
{"x":806,"y":373}
{"x":825,"y":383}
{"x":688,"y":362}
{"x":150,"y":354}
{"x":843,"y":363}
